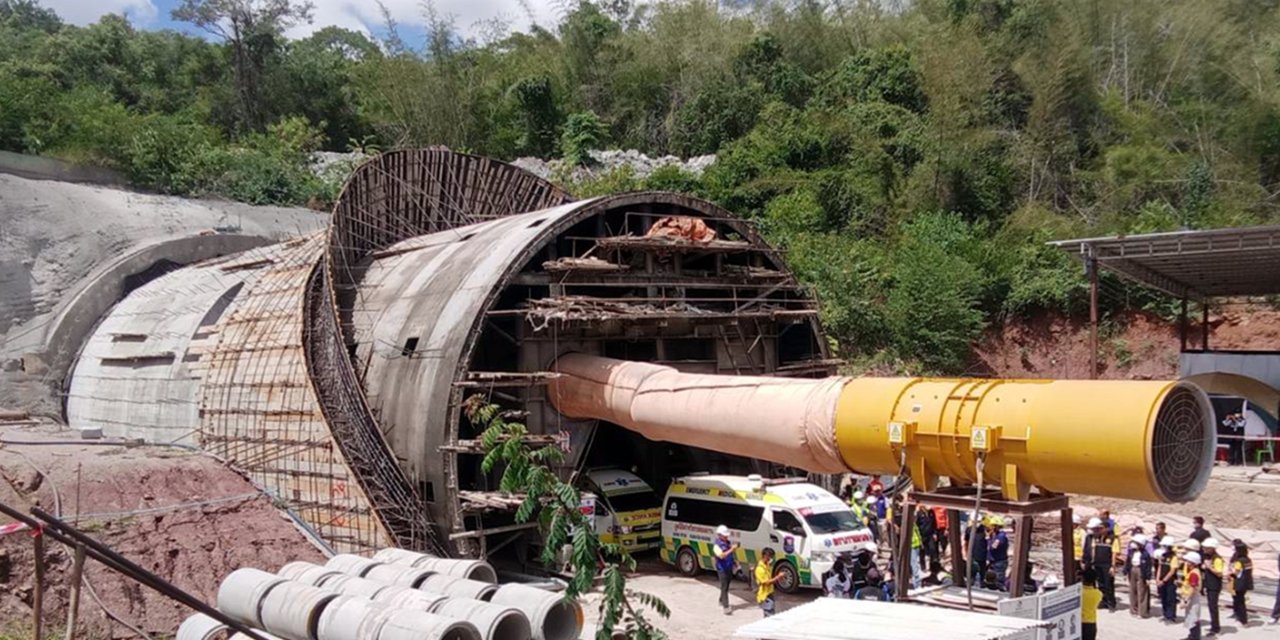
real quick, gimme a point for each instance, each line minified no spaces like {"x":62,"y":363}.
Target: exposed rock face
{"x":611,"y":160}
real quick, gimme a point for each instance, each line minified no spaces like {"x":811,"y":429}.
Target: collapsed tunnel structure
{"x":333,"y":368}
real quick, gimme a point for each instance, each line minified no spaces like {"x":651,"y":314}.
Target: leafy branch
{"x":557,"y":505}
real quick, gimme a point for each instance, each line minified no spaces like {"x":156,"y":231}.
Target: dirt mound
{"x":1131,"y":346}
{"x":180,"y":515}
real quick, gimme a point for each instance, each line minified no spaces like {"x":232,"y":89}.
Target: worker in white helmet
{"x":1214,"y":574}
{"x":1189,"y":590}
{"x":1166,"y":574}
{"x":725,"y":562}
{"x":858,"y":504}
{"x":1077,"y":538}
{"x":1102,"y":553}
{"x":1138,"y":571}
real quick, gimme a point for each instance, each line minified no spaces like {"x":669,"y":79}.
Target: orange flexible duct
{"x":1125,"y":439}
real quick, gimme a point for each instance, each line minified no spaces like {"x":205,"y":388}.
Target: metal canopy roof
{"x":1191,"y":264}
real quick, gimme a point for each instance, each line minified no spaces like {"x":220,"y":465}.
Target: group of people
{"x":1195,"y":572}
{"x":858,"y":575}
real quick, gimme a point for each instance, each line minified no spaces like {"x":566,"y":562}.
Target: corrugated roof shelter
{"x":1191,"y":264}
{"x":836,"y":619}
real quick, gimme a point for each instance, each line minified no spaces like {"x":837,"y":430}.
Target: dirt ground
{"x":198,"y":521}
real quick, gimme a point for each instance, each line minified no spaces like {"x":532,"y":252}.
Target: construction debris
{"x":681,"y":228}
{"x":589,"y":263}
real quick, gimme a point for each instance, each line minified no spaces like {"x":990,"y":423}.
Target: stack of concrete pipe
{"x":396,"y":595}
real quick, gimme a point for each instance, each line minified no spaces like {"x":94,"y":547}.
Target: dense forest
{"x":911,"y":157}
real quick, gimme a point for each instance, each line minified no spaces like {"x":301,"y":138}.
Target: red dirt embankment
{"x":1131,"y":346}
{"x":197,"y":521}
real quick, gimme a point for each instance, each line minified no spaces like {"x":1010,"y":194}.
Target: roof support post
{"x":1204,"y":324}
{"x":1182,"y":326}
{"x":1091,"y":266}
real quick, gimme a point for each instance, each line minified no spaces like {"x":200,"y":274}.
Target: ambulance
{"x":626,"y":510}
{"x":806,"y":525}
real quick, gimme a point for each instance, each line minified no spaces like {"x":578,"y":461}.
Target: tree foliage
{"x":846,"y":129}
{"x":557,"y":507}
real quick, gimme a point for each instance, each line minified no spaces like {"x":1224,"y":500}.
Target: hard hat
{"x":1094,"y":523}
{"x":1075,"y":518}
{"x":1166,"y":541}
{"x":1210,"y":543}
{"x":1191,"y":545}
{"x":1139,"y":538}
{"x":1192,"y":557}
{"x":871,"y":546}
{"x":722,"y":531}
{"x":1008,"y":521}
{"x":871,"y":500}
{"x":858,"y":495}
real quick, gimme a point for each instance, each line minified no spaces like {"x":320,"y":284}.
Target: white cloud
{"x":467,"y":15}
{"x":83,"y":12}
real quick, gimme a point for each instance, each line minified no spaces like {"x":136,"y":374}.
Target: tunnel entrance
{"x":659,"y":282}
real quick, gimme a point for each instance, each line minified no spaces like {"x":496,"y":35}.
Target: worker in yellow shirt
{"x":1077,"y":537}
{"x":1090,"y":598}
{"x":1214,"y":574}
{"x":764,"y":581}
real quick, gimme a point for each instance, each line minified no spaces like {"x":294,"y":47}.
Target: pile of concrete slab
{"x":395,"y":595}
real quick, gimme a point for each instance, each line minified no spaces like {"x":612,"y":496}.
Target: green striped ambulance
{"x":805,"y":524}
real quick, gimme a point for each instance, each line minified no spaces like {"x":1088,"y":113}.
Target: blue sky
{"x":360,"y":15}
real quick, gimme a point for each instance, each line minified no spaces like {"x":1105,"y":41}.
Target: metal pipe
{"x":1125,"y":439}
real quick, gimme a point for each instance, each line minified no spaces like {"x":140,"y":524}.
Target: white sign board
{"x":1025,"y":607}
{"x":1062,"y":608}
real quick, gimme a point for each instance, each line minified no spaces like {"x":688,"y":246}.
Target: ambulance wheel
{"x":790,"y":582}
{"x":687,"y":562}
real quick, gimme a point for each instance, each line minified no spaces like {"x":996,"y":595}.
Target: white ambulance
{"x":806,"y":526}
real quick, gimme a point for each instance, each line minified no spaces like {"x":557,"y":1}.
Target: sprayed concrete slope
{"x":68,"y":251}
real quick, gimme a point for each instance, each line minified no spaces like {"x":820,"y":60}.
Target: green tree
{"x":557,"y":506}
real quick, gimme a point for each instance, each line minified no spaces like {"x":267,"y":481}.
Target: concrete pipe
{"x":404,"y":624}
{"x":351,"y":564}
{"x":457,"y":587}
{"x":264,"y":634}
{"x":404,"y":598}
{"x":292,"y":610}
{"x":495,"y":622}
{"x":201,"y":627}
{"x":353,"y":586}
{"x":351,"y":618}
{"x":241,"y":593}
{"x":469,"y":569}
{"x":1151,"y":441}
{"x":398,"y":575}
{"x":550,"y":614}
{"x":308,"y":573}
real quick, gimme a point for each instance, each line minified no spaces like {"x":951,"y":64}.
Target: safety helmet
{"x":858,"y":495}
{"x":1191,"y":544}
{"x":1210,"y":543}
{"x":722,"y":531}
{"x":871,"y":546}
{"x":871,"y":500}
{"x":1139,"y":538}
{"x":1192,"y":557}
{"x":1166,"y":541}
{"x":1094,"y":523}
{"x":1075,"y":518}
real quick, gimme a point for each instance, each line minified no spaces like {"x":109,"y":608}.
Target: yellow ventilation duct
{"x":1139,"y":440}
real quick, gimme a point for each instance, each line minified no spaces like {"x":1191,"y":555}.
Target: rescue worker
{"x":1138,"y":570}
{"x":1101,"y":553}
{"x":1189,"y":590}
{"x":1214,"y":575}
{"x":940,"y":525}
{"x":858,"y":504}
{"x":1090,"y":597}
{"x":1166,"y":571}
{"x":926,"y":525}
{"x":1241,"y":580}
{"x":917,"y":545}
{"x":725,"y":562}
{"x":765,"y":579}
{"x":1077,"y":538}
{"x":977,"y":537}
{"x":997,"y":551}
{"x":1107,"y":520}
{"x":871,"y":519}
